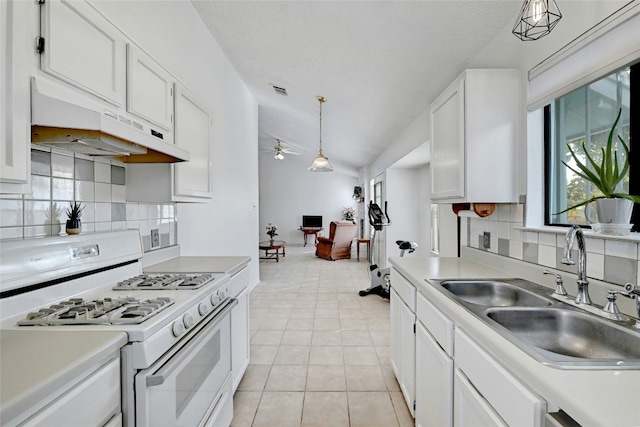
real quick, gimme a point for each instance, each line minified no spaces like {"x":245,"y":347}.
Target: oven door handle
{"x":160,"y":377}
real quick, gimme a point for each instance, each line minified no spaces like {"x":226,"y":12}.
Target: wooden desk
{"x":363,"y":240}
{"x":311,"y":230}
{"x":272,"y":251}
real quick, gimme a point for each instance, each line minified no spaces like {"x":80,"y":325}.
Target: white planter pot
{"x":614,"y":211}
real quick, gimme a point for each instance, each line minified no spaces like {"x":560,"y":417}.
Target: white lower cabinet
{"x":95,"y":401}
{"x":403,"y":346}
{"x":511,"y":400}
{"x":240,"y":338}
{"x":434,"y":382}
{"x":470,"y":408}
{"x":465,"y":388}
{"x":239,"y":286}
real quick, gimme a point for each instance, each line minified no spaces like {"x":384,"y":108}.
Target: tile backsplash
{"x":100,"y":185}
{"x":611,"y":259}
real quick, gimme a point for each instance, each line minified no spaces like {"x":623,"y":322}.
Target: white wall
{"x":173,"y":33}
{"x":288,"y":191}
{"x":413,"y":136}
{"x":407,"y":204}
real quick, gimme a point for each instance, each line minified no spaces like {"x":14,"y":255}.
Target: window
{"x":377,"y":194}
{"x":587,"y":114}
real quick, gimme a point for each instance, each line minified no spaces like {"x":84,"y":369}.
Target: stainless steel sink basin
{"x":493,"y":293}
{"x":550,"y":331}
{"x":570,"y":333}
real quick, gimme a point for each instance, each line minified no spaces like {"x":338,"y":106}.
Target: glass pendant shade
{"x":279,"y":156}
{"x":537,"y":18}
{"x":321,"y":163}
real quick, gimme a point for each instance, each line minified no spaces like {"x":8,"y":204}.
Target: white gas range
{"x":176,"y":366}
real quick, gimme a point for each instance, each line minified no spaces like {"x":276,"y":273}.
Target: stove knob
{"x":204,"y":308}
{"x":215,"y":299}
{"x":188,"y":321}
{"x":221,"y":294}
{"x":178,"y":328}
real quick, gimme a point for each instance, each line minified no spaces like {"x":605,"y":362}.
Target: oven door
{"x":185,"y":387}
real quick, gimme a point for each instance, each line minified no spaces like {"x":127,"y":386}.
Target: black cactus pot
{"x":74,"y":226}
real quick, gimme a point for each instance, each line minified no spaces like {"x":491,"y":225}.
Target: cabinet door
{"x":240,"y":338}
{"x":84,"y":49}
{"x":434,"y":382}
{"x":403,"y":347}
{"x":149,"y":89}
{"x":470,"y":408}
{"x":447,"y":144}
{"x":193,"y":133}
{"x":14,"y":96}
{"x":492,"y":109}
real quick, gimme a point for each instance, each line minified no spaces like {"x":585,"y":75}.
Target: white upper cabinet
{"x":447,"y":145}
{"x":179,"y":182}
{"x":149,"y":89}
{"x":84,"y":49}
{"x":474,"y":138}
{"x":14,"y":98}
{"x":193,"y":128}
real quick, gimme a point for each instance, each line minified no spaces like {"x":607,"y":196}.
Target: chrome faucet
{"x":574,"y":233}
{"x":633,"y":291}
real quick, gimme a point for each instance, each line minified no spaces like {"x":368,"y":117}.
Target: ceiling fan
{"x":280,"y":150}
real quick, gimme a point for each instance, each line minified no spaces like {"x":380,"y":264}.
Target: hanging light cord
{"x":321,"y":100}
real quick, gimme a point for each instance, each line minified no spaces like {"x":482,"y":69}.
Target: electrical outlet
{"x":486,"y":242}
{"x":155,"y":238}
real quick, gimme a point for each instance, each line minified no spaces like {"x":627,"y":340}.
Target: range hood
{"x":66,"y":119}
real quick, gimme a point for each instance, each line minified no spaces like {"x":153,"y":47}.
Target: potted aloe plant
{"x":74,"y":212}
{"x":612,"y":207}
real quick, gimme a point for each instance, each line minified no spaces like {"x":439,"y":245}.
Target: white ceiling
{"x":378,"y":63}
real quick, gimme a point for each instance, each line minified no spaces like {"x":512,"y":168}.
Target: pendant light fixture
{"x":537,"y":18}
{"x":321,"y":163}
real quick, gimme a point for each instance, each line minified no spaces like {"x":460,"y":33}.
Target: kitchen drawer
{"x":440,"y":327}
{"x":516,"y":404}
{"x":93,"y":402}
{"x":405,"y":289}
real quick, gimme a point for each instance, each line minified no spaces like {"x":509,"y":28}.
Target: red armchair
{"x":338,"y":244}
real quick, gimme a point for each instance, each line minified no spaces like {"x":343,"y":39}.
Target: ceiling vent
{"x":279,"y":90}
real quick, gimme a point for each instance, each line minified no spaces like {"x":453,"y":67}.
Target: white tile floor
{"x":319,"y":352}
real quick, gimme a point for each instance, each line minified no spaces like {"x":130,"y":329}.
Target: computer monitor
{"x":309,"y":221}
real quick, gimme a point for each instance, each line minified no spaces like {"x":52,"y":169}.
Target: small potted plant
{"x":348,"y":214}
{"x":74,"y":212}
{"x":271,"y":231}
{"x":612,"y":206}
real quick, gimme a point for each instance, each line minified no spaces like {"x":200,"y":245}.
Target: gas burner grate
{"x":101,"y":311}
{"x":165,"y":281}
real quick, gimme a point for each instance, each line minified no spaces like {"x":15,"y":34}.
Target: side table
{"x":363,"y":240}
{"x":311,"y":230}
{"x":272,"y":251}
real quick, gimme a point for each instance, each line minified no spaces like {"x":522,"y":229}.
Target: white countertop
{"x":200,"y":264}
{"x":591,"y":397}
{"x":35,"y":364}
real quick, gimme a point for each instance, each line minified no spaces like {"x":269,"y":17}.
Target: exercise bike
{"x":381,"y":278}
